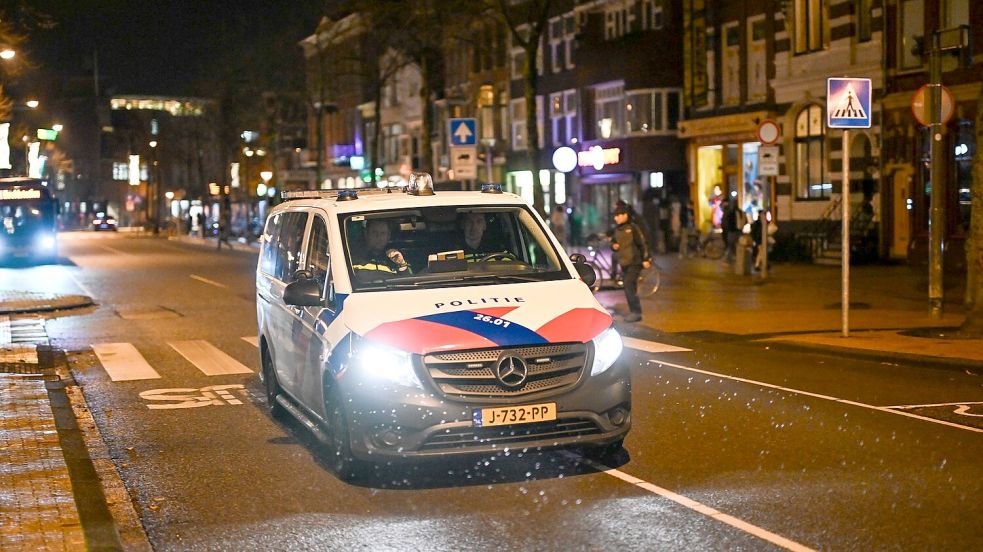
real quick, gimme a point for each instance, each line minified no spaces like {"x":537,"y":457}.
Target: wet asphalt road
{"x":764,"y":447}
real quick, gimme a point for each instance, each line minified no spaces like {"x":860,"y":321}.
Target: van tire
{"x":272,"y":387}
{"x":339,"y":453}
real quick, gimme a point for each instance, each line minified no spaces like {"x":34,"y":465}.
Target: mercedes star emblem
{"x":511,"y":371}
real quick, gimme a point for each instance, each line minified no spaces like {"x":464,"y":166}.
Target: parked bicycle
{"x":600,"y":258}
{"x":710,"y":245}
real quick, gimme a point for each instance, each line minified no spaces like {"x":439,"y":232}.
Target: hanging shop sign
{"x":599,"y":157}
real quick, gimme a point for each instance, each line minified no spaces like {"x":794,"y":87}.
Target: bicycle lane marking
{"x":693,"y":505}
{"x":886,"y":409}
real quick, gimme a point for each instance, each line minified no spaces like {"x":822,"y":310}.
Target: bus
{"x":28,"y":213}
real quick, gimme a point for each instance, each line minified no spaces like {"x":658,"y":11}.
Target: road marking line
{"x":651,"y":346}
{"x":697,"y":507}
{"x":207,"y":281}
{"x":123,"y":362}
{"x":903,"y":407}
{"x":209,"y":359}
{"x":114,"y":250}
{"x":252,"y":340}
{"x":819,"y":396}
{"x":4,"y":331}
{"x":79,"y":283}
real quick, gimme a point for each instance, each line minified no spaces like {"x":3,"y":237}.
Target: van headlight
{"x":46,"y":242}
{"x":607,"y":349}
{"x":386,"y":364}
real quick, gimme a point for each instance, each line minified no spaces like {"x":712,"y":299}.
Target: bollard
{"x":742,"y":257}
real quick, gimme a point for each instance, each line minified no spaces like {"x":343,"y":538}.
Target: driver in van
{"x":376,"y":255}
{"x":476,"y":247}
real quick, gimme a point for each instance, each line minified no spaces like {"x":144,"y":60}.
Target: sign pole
{"x":845,"y":237}
{"x":763,"y":214}
{"x":936,"y":221}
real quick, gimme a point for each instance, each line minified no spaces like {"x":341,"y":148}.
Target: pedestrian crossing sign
{"x":847,"y":103}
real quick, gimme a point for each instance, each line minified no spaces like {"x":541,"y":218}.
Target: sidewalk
{"x":800,"y":305}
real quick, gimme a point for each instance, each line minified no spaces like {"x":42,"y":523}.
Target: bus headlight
{"x":607,"y":349}
{"x":387,"y":364}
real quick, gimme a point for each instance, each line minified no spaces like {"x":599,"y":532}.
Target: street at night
{"x":428,"y":275}
{"x":736,"y":443}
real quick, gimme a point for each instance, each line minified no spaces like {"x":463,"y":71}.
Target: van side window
{"x":317,"y":251}
{"x":271,"y":238}
{"x":289,"y":244}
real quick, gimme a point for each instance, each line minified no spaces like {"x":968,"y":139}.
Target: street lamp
{"x":57,"y":127}
{"x":33,"y":104}
{"x":7,"y":53}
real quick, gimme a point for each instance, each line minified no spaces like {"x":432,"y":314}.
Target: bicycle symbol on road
{"x":185,"y":397}
{"x":962,"y":408}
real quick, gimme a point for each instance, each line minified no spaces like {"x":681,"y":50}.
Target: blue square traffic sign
{"x":463,"y":132}
{"x":847,"y":103}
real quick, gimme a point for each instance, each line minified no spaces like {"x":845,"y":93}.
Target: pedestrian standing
{"x":223,"y":234}
{"x":632,"y":253}
{"x":732,"y":227}
{"x":558,"y":220}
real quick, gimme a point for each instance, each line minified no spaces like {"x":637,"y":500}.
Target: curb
{"x":886,"y":357}
{"x":43,"y":303}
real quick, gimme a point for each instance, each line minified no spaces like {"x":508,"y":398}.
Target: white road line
{"x":651,"y":346}
{"x":252,"y":340}
{"x":207,"y":358}
{"x":908,"y":406}
{"x":207,"y":281}
{"x":4,"y":331}
{"x":123,"y":362}
{"x":697,"y":507}
{"x":79,"y":283}
{"x":819,"y":396}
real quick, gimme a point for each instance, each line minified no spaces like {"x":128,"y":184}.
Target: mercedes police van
{"x":401,"y":324}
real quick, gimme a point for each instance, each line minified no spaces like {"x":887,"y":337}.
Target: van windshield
{"x":448,"y":246}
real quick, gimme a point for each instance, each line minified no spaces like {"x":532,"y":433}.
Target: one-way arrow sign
{"x":463,"y":132}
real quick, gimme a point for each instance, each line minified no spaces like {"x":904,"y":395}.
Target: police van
{"x":402,"y":324}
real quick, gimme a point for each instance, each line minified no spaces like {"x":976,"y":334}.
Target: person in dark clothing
{"x":731,"y":226}
{"x":376,"y":255}
{"x":477,"y":246}
{"x":632,"y":253}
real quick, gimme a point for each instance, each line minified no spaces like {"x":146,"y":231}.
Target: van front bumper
{"x":397,"y":424}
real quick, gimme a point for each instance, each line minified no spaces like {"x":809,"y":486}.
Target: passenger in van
{"x":376,"y":254}
{"x":477,"y":246}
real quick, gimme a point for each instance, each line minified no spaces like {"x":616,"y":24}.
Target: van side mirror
{"x":584,"y":270}
{"x":305,"y":292}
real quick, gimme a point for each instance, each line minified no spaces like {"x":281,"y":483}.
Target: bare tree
{"x":974,"y":251}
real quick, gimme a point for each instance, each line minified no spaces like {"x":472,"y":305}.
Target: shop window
{"x":811,"y":25}
{"x":911,"y":17}
{"x":810,"y":155}
{"x":964,"y":149}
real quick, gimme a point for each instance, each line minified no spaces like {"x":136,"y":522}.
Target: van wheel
{"x":272,"y":387}
{"x":339,"y":454}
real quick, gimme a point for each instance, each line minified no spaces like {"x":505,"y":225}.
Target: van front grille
{"x":472,"y":373}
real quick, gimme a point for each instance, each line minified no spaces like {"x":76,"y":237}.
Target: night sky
{"x":169,"y":47}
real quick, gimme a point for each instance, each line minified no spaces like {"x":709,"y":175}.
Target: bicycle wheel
{"x":714,"y":249}
{"x":649,"y":281}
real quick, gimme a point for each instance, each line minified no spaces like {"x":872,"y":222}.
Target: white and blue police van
{"x":403,"y":324}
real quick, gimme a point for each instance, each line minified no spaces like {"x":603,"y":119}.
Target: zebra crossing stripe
{"x":123,"y":362}
{"x":208,"y":358}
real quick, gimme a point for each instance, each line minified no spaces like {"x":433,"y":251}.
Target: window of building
{"x":911,"y":17}
{"x":811,"y":25}
{"x":674,"y":107}
{"x":569,"y":34}
{"x":652,"y":14}
{"x":619,"y":19}
{"x":556,"y":44}
{"x":563,"y":117}
{"x":517,"y":114}
{"x":731,"y":64}
{"x":864,"y":18}
{"x":609,"y":110}
{"x":810,"y":154}
{"x":503,"y":114}
{"x":757,"y":60}
{"x":517,"y":55}
{"x":121,"y":170}
{"x":640,"y":111}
